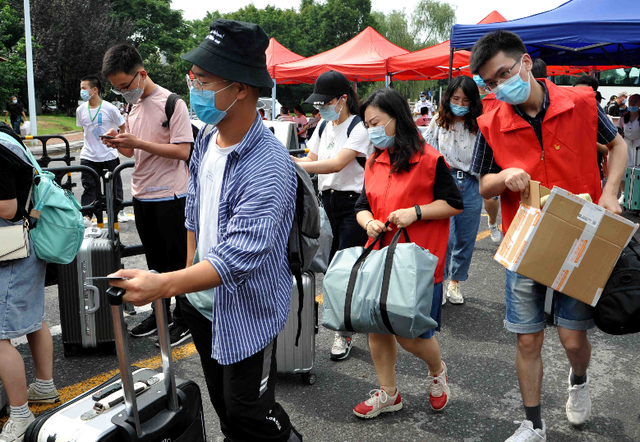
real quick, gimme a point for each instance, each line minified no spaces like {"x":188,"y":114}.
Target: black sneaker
{"x":178,"y":333}
{"x":145,"y":328}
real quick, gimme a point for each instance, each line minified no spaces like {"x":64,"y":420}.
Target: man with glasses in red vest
{"x":541,"y":132}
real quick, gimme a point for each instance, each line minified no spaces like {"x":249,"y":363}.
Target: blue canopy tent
{"x":576,"y":33}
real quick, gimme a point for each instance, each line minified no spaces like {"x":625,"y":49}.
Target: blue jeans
{"x":463,"y":228}
{"x":525,"y":307}
{"x":16,"y":125}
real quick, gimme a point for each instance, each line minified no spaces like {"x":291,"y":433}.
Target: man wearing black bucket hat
{"x":240,"y":204}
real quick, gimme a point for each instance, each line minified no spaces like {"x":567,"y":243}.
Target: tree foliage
{"x":71,"y":37}
{"x":13,"y":71}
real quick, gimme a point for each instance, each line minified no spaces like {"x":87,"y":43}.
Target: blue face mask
{"x":328,"y":112}
{"x":633,"y":108}
{"x":379,"y":137}
{"x":14,"y":101}
{"x":515,"y":90}
{"x":423,"y":98}
{"x":459,"y":111}
{"x":204,"y":105}
{"x":85,"y":95}
{"x":479,"y":81}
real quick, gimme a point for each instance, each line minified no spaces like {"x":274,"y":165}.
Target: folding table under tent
{"x":577,"y":33}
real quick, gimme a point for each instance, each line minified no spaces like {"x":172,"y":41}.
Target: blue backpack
{"x":59,"y":229}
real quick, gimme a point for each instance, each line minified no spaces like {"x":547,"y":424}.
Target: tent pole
{"x":355,"y":87}
{"x":273,"y":101}
{"x":31,"y":91}
{"x":387,"y":80}
{"x":450,"y":64}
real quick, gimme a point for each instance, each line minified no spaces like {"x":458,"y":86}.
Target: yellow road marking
{"x":72,"y":391}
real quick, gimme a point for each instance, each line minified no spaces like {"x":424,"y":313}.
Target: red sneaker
{"x":378,"y":402}
{"x":439,"y":389}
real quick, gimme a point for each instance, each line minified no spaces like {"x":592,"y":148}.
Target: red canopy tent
{"x":278,"y":54}
{"x":432,"y":63}
{"x":363,"y":58}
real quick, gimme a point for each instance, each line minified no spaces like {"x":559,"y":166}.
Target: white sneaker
{"x":526,"y":433}
{"x":579,"y":402}
{"x":341,"y":347}
{"x":453,"y":293}
{"x":621,"y":199}
{"x":496,"y":234}
{"x":122,"y":217}
{"x":14,"y":429}
{"x":87,"y":222}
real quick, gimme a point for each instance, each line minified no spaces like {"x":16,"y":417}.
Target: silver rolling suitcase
{"x":143,"y":406}
{"x":300,"y":359}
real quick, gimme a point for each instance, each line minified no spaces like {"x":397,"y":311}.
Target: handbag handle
{"x":388,"y":266}
{"x":354,"y":275}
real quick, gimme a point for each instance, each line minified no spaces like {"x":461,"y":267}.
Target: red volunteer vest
{"x":388,"y":192}
{"x":568,"y":156}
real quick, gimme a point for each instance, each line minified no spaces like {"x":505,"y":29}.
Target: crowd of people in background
{"x":223,"y":256}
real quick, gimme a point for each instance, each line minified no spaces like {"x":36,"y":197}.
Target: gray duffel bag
{"x":386,"y":291}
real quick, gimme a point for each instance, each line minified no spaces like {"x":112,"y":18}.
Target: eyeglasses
{"x":321,"y":107}
{"x":199,"y":86}
{"x":126,"y":88}
{"x":492,"y":85}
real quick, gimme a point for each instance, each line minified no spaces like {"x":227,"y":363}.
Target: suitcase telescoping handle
{"x":122,"y":345}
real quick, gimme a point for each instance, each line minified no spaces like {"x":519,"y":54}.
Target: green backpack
{"x":59,"y":229}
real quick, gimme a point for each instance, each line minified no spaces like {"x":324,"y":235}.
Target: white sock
{"x":44,"y":387}
{"x":22,"y":412}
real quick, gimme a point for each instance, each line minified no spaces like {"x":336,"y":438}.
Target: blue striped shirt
{"x":257,"y":201}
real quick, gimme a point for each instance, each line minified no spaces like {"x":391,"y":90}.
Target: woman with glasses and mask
{"x":407,"y":183}
{"x":453,"y":133}
{"x":337,"y":152}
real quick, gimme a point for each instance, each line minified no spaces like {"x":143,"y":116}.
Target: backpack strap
{"x":170,"y":107}
{"x":356,"y":120}
{"x":321,"y":128}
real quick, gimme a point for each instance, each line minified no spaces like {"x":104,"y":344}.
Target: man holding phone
{"x":159,"y":181}
{"x":96,"y":117}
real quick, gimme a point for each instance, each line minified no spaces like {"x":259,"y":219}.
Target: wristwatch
{"x":418,"y":212}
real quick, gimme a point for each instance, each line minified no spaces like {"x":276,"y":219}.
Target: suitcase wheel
{"x":70,"y":350}
{"x":309,"y":378}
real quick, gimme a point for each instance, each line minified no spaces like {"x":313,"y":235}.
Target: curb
{"x":55,"y":149}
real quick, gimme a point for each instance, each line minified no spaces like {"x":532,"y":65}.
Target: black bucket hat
{"x":329,"y":85}
{"x":234,"y":50}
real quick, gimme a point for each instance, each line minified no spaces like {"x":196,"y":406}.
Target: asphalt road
{"x":479,"y":352}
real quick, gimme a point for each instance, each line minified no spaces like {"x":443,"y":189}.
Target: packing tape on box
{"x":592,"y":216}
{"x":502,"y":255}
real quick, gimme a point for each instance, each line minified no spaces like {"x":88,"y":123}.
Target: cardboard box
{"x":570,"y":244}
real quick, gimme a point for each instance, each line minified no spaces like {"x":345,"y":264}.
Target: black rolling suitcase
{"x":84,"y":316}
{"x":143,"y":406}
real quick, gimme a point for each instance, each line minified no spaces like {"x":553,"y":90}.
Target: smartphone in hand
{"x":109,"y":137}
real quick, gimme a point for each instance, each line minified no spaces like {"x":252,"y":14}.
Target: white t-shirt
{"x":210,"y":178}
{"x":421,"y":104}
{"x":95,"y":123}
{"x":334,"y":138}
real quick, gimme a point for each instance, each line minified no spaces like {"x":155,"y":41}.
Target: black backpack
{"x":618,"y":310}
{"x":169,"y":108}
{"x":304,"y":237}
{"x":356,"y":119}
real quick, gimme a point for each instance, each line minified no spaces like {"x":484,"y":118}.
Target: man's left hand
{"x":126,"y":141}
{"x":142,"y":287}
{"x":403,"y":217}
{"x":610,"y":202}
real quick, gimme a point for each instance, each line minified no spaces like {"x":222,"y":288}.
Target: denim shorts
{"x":525,"y":307}
{"x":436,"y":311}
{"x":21,"y":296}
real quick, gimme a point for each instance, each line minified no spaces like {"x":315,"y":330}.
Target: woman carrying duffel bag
{"x":407,"y":183}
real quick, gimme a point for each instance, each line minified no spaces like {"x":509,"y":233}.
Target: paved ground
{"x":480,"y":355}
